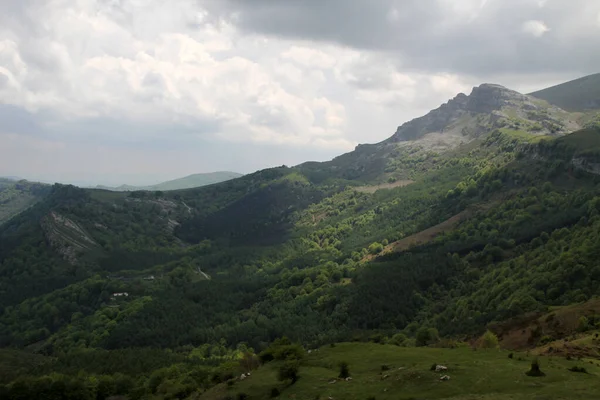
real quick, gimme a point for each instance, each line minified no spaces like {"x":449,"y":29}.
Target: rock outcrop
{"x":489,"y":106}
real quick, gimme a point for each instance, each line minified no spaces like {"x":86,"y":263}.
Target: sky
{"x":141,"y":91}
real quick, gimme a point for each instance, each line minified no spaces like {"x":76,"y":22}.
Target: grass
{"x":481,"y":374}
{"x":578,"y":95}
{"x":372,"y":189}
{"x":583,"y":140}
{"x":523,"y":135}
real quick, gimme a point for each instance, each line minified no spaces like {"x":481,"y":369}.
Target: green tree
{"x":375,"y":248}
{"x":289,"y":371}
{"x":489,"y":340}
{"x":426,"y":336}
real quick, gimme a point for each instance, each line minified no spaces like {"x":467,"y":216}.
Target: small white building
{"x":124,"y":294}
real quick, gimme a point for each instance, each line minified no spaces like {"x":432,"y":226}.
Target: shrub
{"x":398,"y":339}
{"x":375,"y":248}
{"x":489,"y":340}
{"x":289,"y":371}
{"x":510,"y":356}
{"x":385,"y":367}
{"x":344,"y":370}
{"x":584,"y":324}
{"x":535,"y":369}
{"x":281,"y":350}
{"x":275,"y":392}
{"x":289,"y":352}
{"x":242,"y":396}
{"x":426,"y":336}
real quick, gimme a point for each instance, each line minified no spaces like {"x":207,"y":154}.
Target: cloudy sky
{"x":139,"y":91}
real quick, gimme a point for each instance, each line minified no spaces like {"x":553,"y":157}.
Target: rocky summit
{"x":488,"y":107}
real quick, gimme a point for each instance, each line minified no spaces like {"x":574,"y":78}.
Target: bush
{"x":375,"y":248}
{"x":289,"y":371}
{"x":344,"y":370}
{"x":535,"y":369}
{"x":584,"y":324}
{"x":279,"y":351}
{"x":242,"y":396}
{"x":275,"y":392}
{"x":510,"y":356}
{"x":426,"y":336}
{"x":398,"y":339}
{"x":385,"y":367}
{"x":489,"y":340}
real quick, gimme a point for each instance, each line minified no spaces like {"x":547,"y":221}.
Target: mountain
{"x":188,"y":182}
{"x":462,"y":120}
{"x":483,"y":214}
{"x":18,"y":195}
{"x":579,"y":95}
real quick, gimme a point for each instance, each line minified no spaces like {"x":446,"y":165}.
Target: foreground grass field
{"x":390,"y":372}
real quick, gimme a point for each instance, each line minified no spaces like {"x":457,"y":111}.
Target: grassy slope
{"x":577,"y":95}
{"x":18,"y":196}
{"x":482,"y":374}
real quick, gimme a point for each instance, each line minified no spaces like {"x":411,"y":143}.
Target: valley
{"x":482,"y":215}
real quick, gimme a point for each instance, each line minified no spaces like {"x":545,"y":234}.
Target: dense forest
{"x":163,"y":294}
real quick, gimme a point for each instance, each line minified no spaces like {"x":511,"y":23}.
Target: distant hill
{"x":18,"y":195}
{"x":579,"y":95}
{"x":188,"y":182}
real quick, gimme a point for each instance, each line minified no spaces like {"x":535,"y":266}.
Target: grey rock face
{"x":488,"y":100}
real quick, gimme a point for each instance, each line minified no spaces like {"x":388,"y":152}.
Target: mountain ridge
{"x":186,"y":182}
{"x":579,"y":95}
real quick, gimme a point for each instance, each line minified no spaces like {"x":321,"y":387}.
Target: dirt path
{"x":204,"y":274}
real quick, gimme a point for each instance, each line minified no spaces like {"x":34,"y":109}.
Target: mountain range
{"x":483,"y":215}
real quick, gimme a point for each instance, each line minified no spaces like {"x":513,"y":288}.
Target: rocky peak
{"x":490,"y":97}
{"x":484,"y":99}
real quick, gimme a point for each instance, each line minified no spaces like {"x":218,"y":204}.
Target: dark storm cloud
{"x":461,"y":36}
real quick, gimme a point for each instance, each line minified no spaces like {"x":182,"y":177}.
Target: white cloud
{"x":210,"y":73}
{"x":535,"y":28}
{"x":152,"y":69}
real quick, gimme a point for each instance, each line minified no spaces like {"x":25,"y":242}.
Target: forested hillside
{"x":161,"y":294}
